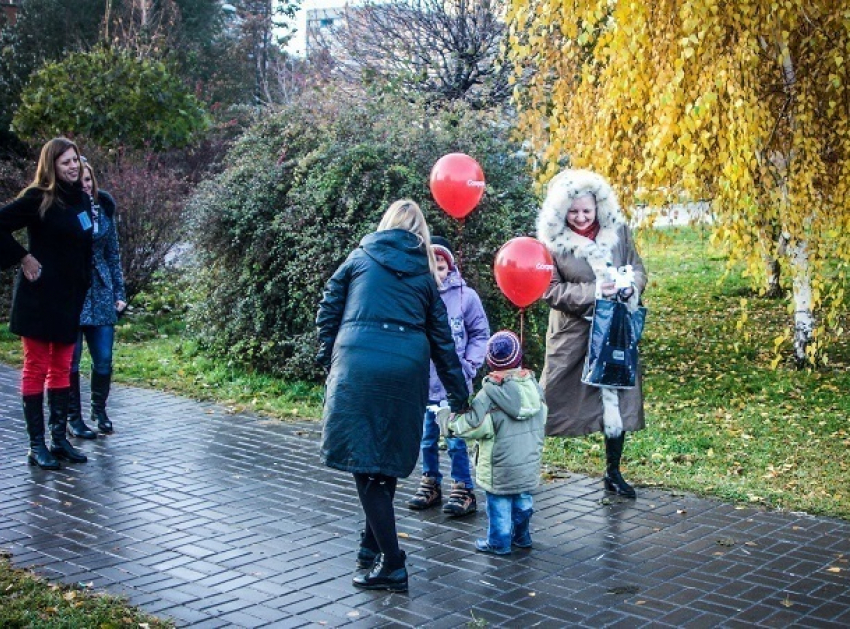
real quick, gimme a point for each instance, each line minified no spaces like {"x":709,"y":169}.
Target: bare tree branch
{"x":443,"y":49}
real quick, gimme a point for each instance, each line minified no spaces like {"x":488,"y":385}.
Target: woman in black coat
{"x":380,"y":321}
{"x":49,"y":290}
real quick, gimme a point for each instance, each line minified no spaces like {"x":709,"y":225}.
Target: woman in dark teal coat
{"x":380,"y":321}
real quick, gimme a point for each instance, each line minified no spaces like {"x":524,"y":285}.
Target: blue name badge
{"x":85,"y":221}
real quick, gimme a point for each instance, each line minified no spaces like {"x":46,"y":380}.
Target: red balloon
{"x":523,"y":270}
{"x":457,"y":183}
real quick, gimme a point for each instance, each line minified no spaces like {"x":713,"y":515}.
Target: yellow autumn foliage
{"x":745,"y":104}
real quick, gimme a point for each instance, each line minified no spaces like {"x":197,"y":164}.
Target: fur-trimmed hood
{"x":552,"y":229}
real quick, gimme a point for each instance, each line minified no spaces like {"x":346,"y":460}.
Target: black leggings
{"x":376,"y":494}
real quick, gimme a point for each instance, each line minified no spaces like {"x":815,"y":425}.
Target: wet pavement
{"x":220,"y":520}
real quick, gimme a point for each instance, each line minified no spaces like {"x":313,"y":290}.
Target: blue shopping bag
{"x":612,"y":349}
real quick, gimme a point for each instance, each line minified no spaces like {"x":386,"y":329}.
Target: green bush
{"x":111,"y":97}
{"x":304,"y":185}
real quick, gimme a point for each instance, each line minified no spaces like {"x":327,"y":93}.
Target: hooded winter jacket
{"x":507,"y":418}
{"x":48,"y":309}
{"x":575,"y":408}
{"x":470,"y":330}
{"x":379,"y":321}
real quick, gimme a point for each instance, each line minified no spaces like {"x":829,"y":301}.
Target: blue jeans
{"x":509,"y":518}
{"x":458,"y":454}
{"x":100,"y":339}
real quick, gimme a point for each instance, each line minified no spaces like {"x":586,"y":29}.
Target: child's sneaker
{"x":461,"y":501}
{"x":428,"y":495}
{"x":521,"y":537}
{"x":522,"y":542}
{"x":483,"y":546}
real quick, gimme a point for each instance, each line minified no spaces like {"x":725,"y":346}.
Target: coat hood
{"x":106,"y":202}
{"x":398,"y":250}
{"x":453,"y":280}
{"x":552,"y":229}
{"x":515,"y":392}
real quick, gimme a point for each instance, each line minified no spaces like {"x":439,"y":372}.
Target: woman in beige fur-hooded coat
{"x":575,"y":408}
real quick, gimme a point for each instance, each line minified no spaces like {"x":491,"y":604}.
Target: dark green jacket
{"x":380,"y":320}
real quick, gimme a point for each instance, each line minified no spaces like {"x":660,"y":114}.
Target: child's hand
{"x":444,"y":416}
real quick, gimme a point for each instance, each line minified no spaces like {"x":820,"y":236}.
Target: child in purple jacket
{"x":471,"y":332}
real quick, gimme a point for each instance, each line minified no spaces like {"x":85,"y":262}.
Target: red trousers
{"x":45,"y":362}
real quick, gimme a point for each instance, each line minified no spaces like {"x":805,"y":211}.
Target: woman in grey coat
{"x":104,"y":301}
{"x":380,"y":319}
{"x":582,"y":226}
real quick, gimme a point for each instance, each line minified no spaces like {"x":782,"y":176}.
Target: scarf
{"x":590,"y":232}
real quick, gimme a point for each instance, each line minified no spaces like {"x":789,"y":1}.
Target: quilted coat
{"x":107,"y":282}
{"x":507,"y":418}
{"x":470,"y":330}
{"x":380,"y":319}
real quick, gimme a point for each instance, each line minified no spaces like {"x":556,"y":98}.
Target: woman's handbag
{"x":612,"y":353}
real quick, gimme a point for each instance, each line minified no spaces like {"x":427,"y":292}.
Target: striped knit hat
{"x":443,"y":249}
{"x":504,"y":350}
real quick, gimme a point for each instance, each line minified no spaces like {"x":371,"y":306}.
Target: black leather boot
{"x":614,"y":481}
{"x":383,"y":578}
{"x":76,"y":426}
{"x":60,"y":447}
{"x":34,"y":414}
{"x":366,"y":557}
{"x":99,"y":393}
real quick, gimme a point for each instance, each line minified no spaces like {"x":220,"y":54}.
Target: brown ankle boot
{"x":428,"y":495}
{"x":461,"y":501}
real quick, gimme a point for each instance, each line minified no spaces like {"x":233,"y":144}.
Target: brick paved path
{"x":218,"y":520}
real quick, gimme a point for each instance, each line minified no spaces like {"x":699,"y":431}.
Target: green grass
{"x":153,"y":350}
{"x":29,"y":601}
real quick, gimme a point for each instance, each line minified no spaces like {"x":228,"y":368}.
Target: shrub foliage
{"x":305,"y":184}
{"x":111,"y":97}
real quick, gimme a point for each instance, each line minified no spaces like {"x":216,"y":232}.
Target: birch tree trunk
{"x":803,"y":317}
{"x":797,"y":248}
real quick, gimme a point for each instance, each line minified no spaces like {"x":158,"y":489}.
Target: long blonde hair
{"x":405,"y":214}
{"x":45,"y":173}
{"x":86,"y":166}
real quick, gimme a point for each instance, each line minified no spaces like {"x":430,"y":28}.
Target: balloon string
{"x":459,"y":241}
{"x":521,"y":326}
{"x":459,"y":259}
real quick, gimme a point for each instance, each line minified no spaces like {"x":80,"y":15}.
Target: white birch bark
{"x":803,"y":317}
{"x":797,"y":247}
